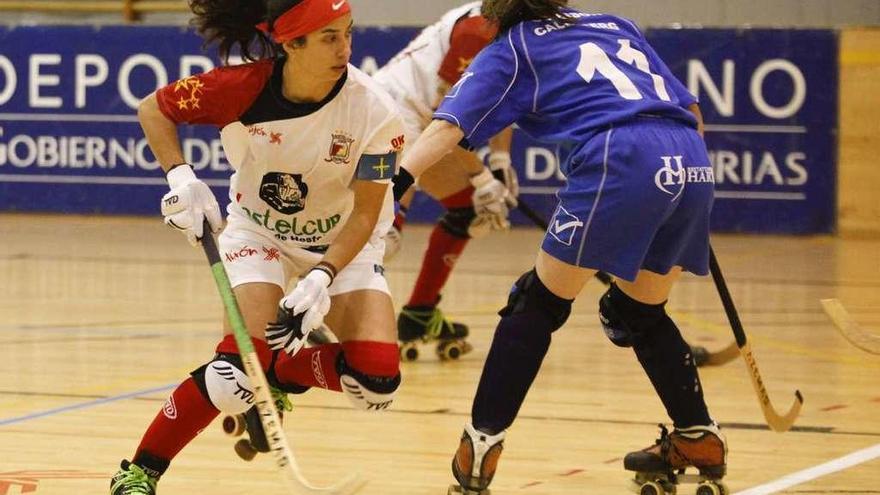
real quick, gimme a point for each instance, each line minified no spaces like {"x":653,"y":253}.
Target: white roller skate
{"x":475,"y":461}
{"x":659,"y":469}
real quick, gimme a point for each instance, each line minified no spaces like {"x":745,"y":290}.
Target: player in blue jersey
{"x":636,"y":204}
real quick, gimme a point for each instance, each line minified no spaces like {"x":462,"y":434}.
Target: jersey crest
{"x":340,"y":148}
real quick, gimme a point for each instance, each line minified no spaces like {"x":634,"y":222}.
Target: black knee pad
{"x":626,"y":320}
{"x":457,"y":221}
{"x":529,"y":295}
{"x":366,"y":392}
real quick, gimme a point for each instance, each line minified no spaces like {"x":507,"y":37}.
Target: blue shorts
{"x":638,"y":196}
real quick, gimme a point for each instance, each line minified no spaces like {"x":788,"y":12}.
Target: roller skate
{"x":132,"y":479}
{"x":659,"y":469}
{"x":235,"y":425}
{"x":426,"y":324}
{"x":475,"y":461}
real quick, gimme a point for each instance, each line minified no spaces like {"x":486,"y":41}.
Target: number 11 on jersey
{"x":595,"y":59}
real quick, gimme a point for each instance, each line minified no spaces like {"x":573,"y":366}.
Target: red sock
{"x":311,"y":367}
{"x":186,"y":413}
{"x":440,"y":257}
{"x":373,"y":358}
{"x":316,"y":366}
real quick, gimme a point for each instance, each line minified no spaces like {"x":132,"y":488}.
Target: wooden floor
{"x":100,"y":317}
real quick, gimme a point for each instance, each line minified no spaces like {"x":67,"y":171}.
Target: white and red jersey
{"x":441,"y":52}
{"x":294,"y":162}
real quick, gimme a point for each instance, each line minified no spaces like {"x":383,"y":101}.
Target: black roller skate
{"x":426,"y":324}
{"x":659,"y":469}
{"x":475,"y":461}
{"x":236,"y":425}
{"x":132,"y":479}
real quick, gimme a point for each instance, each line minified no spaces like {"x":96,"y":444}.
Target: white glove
{"x":485,"y":223}
{"x":502,"y":169}
{"x":310,"y":299}
{"x":491,"y":200}
{"x":188,"y":203}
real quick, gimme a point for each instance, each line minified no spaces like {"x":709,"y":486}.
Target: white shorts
{"x":250,"y":257}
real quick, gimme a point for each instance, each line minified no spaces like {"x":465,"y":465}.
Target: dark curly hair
{"x":233,"y":22}
{"x":508,"y":13}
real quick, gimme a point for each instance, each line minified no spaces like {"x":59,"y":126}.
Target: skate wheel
{"x":652,"y":488}
{"x":245,"y":450}
{"x":449,"y":351}
{"x":458,"y":490}
{"x":710,"y":488}
{"x":234,"y":425}
{"x":409,"y":352}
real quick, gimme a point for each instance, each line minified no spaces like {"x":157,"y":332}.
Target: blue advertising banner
{"x":70,"y":141}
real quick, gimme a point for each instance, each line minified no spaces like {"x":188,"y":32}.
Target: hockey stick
{"x":848,"y":327}
{"x":284,"y":459}
{"x":541,"y":223}
{"x":723,"y":356}
{"x":774,"y":420}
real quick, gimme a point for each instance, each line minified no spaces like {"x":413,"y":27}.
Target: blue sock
{"x":521,"y":341}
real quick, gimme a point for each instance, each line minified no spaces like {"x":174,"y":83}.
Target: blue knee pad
{"x":626,"y":320}
{"x":530,"y":295}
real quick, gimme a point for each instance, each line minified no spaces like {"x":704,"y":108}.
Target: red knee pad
{"x":372,"y":358}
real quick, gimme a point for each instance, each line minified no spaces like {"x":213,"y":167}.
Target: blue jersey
{"x":564,"y":83}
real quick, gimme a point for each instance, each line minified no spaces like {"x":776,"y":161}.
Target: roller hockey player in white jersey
{"x":313,"y":142}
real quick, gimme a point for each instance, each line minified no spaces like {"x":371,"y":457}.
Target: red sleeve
{"x":217,"y":97}
{"x":469,"y":36}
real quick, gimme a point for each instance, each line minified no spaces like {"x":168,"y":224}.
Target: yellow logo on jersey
{"x":193,"y":86}
{"x":381,"y":167}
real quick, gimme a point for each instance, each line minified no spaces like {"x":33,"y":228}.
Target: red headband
{"x":305,"y":17}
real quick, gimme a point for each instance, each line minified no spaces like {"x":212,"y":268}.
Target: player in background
{"x":312,"y":142}
{"x":636,"y":205}
{"x":418,"y":78}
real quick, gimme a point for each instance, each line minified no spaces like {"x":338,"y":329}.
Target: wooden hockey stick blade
{"x":723,"y":356}
{"x":774,"y":420}
{"x":278,"y":444}
{"x":848,"y":327}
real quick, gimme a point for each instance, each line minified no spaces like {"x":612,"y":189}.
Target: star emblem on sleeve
{"x":192,"y":88}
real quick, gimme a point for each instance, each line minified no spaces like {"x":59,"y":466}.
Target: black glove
{"x":286,"y":334}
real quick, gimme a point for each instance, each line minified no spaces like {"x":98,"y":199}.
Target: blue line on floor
{"x":84,"y":405}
